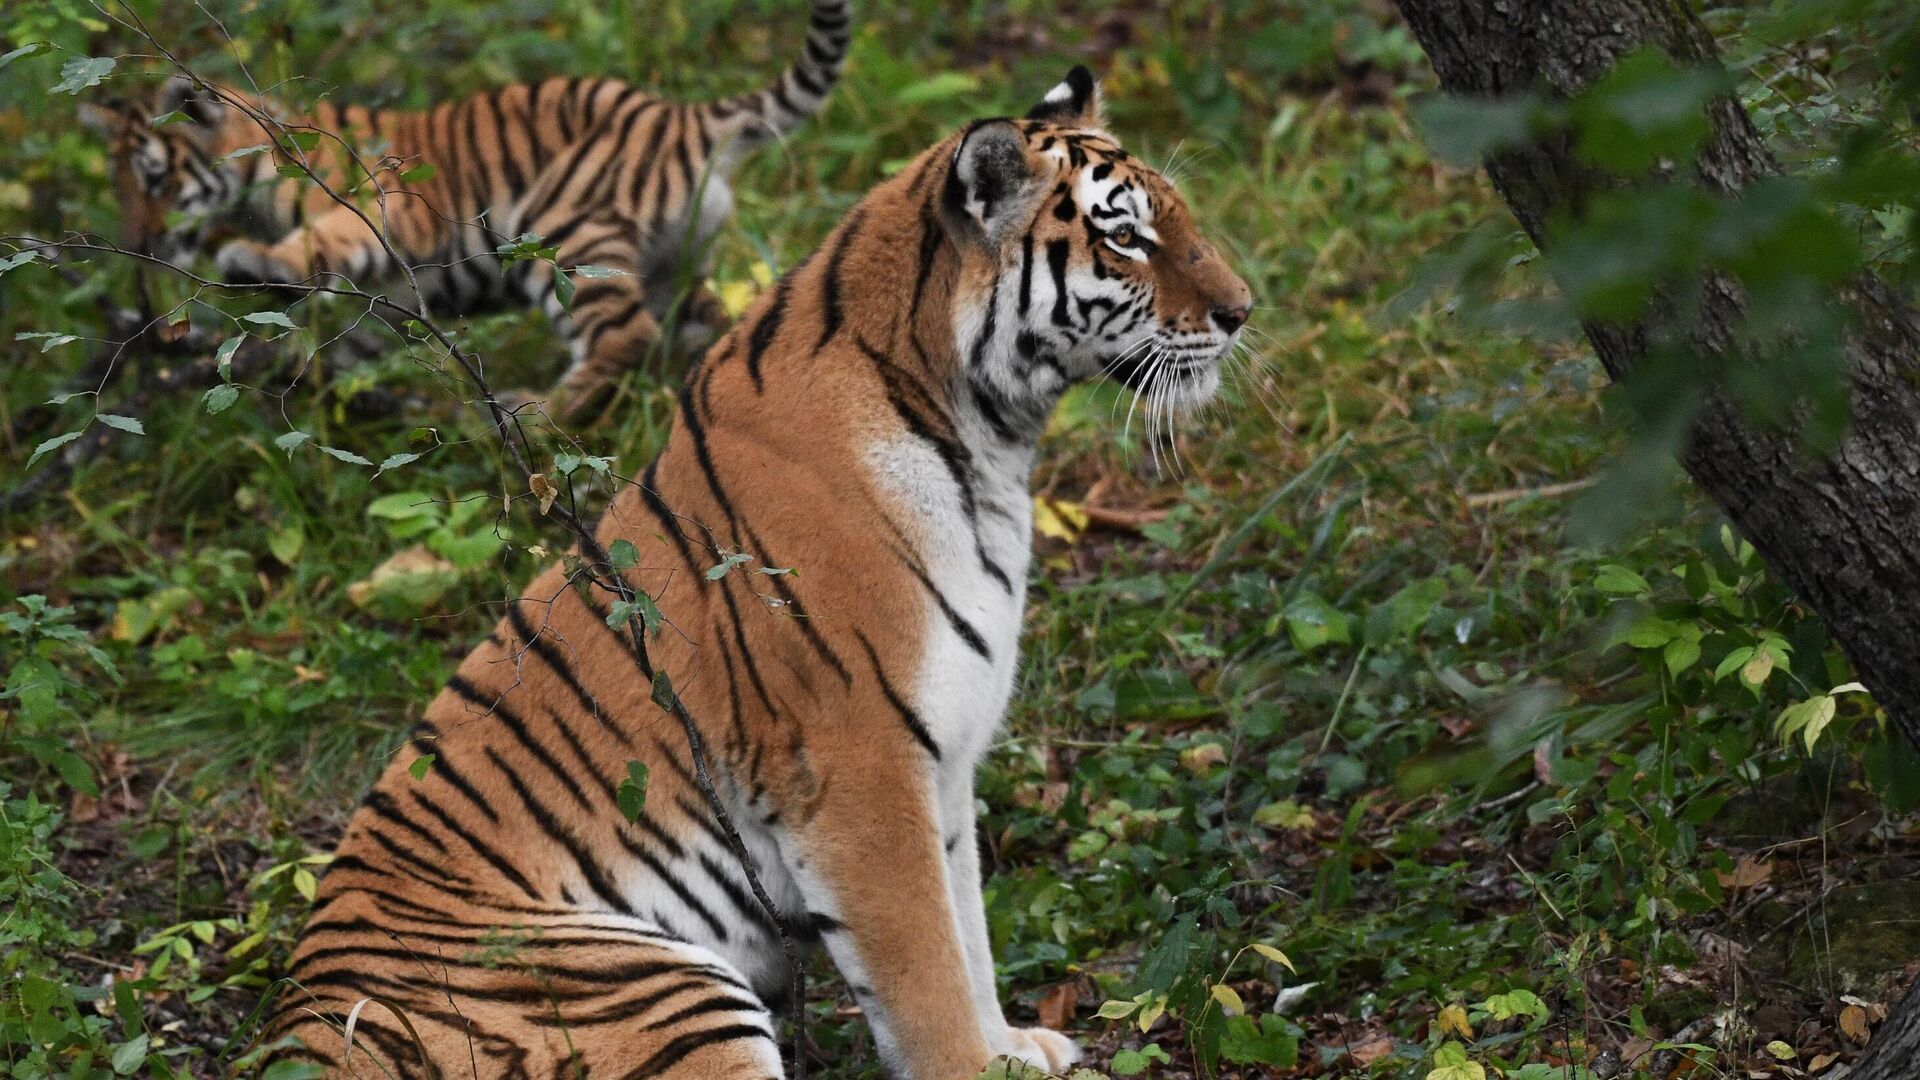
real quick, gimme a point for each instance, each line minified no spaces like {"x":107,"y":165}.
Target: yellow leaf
{"x":1275,"y":955}
{"x":735,"y":296}
{"x":1059,"y":519}
{"x":1203,"y":757}
{"x":1781,"y":1050}
{"x":543,"y":490}
{"x":1229,"y":998}
{"x":1758,"y":668}
{"x":1853,"y":1024}
{"x":1155,"y":1009}
{"x":1453,"y":1021}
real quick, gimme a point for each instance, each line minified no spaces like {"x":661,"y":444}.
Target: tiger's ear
{"x":195,"y":101}
{"x":991,"y":187}
{"x":1074,"y":103}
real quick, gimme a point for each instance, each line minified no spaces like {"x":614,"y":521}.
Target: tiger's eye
{"x":1123,"y":235}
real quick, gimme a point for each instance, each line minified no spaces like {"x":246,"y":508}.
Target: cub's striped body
{"x":871,"y":421}
{"x":609,"y":175}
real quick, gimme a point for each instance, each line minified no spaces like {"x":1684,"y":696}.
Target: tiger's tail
{"x":776,"y":111}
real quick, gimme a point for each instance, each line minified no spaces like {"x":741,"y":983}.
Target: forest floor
{"x":1396,"y":660}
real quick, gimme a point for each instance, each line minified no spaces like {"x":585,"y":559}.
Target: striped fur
{"x":871,"y":422}
{"x":610,"y":176}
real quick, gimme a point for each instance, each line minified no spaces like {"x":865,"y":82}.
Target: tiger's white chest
{"x":974,"y":552}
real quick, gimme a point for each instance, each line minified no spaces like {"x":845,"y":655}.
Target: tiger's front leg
{"x":867,"y":855}
{"x":337,"y":241}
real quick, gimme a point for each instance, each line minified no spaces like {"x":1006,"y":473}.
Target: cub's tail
{"x":801,"y":90}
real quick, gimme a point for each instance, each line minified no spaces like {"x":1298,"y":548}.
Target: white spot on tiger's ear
{"x":1074,"y":102}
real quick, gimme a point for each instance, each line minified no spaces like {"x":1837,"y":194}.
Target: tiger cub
{"x":609,"y":175}
{"x":871,"y":421}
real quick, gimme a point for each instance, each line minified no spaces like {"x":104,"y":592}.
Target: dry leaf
{"x":1059,"y":519}
{"x":1057,"y":1003}
{"x":1821,"y":1061}
{"x":1453,"y":1020}
{"x":543,"y":490}
{"x":1203,"y":757}
{"x":1371,"y":1051}
{"x":1853,"y":1024}
{"x":1748,"y":873}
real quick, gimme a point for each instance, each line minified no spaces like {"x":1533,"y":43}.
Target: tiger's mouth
{"x":1183,"y":371}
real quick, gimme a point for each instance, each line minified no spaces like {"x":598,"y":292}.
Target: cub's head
{"x":1079,"y":259}
{"x":172,"y":178}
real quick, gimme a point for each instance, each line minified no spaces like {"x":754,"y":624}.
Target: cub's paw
{"x":248,"y":262}
{"x":1044,"y":1048}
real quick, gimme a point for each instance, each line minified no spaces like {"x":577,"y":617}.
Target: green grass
{"x":1324,"y":700}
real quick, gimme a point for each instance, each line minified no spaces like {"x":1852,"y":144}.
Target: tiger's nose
{"x":1232,"y":318}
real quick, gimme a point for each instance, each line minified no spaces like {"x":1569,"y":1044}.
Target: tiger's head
{"x":1078,"y":260}
{"x":169,"y":159}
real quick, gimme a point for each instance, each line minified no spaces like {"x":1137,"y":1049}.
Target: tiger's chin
{"x":1178,"y":382}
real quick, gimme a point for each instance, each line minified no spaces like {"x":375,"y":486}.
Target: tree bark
{"x":1842,"y":532}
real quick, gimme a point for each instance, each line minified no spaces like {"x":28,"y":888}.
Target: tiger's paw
{"x":249,"y":262}
{"x":1043,"y":1048}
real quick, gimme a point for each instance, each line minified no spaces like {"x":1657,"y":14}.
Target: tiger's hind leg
{"x":562,"y":995}
{"x":607,"y":322}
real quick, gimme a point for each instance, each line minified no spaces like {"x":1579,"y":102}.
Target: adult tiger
{"x":871,"y":421}
{"x":607,"y":174}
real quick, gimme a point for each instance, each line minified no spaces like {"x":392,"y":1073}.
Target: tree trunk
{"x":1843,"y":532}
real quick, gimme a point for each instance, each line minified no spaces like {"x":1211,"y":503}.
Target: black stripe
{"x":907,"y":715}
{"x":506,"y":869}
{"x":549,"y":654}
{"x":443,"y":768}
{"x":960,"y":625}
{"x":830,"y":281}
{"x":590,"y":868}
{"x":767,"y":326}
{"x":1026,"y":272}
{"x":681,"y":1046}
{"x":1057,"y":251}
{"x":518,"y":728}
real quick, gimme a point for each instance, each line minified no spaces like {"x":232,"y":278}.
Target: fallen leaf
{"x":1057,"y":1003}
{"x":1820,"y":1062}
{"x":1371,"y":1051}
{"x":1203,"y":757}
{"x":1748,"y":873}
{"x":1853,"y":1024}
{"x":1059,"y":519}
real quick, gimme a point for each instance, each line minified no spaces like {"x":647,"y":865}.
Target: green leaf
{"x":291,"y":441}
{"x":418,"y":770}
{"x":51,"y":445}
{"x":1621,"y":581}
{"x":623,"y":611}
{"x":394,"y":461}
{"x":663,"y":694}
{"x":20,"y":258}
{"x":269,"y":318}
{"x":727,"y":562}
{"x":1134,"y":1062}
{"x":221,"y":398}
{"x":122,"y":423}
{"x":223,"y":356}
{"x":632,"y":792}
{"x":130,"y":1055}
{"x":82,"y":73}
{"x":29,"y":47}
{"x":623,"y":555}
{"x":347,"y":456}
{"x":419,"y":174}
{"x":592,"y":272}
{"x":1117,"y":1009}
{"x":1680,"y":655}
{"x":47,"y":339}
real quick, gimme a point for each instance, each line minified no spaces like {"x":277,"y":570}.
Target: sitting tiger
{"x":610,"y":176}
{"x":872,"y":421}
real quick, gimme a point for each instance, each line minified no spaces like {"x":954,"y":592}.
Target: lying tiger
{"x":872,"y":420}
{"x":610,"y":176}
